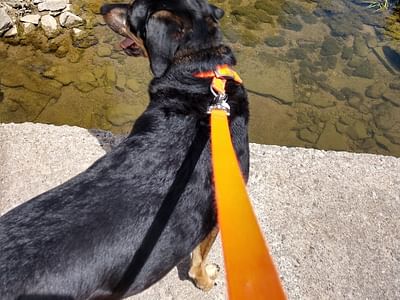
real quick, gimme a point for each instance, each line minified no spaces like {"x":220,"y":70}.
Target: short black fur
{"x":77,"y":240}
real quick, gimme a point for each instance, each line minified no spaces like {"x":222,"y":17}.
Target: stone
{"x":87,"y":77}
{"x":358,"y":131}
{"x":365,"y":70}
{"x":394,"y":137}
{"x":84,"y":87}
{"x":13,"y":31}
{"x":340,"y":127}
{"x":121,"y":80}
{"x":33,"y":19}
{"x":383,"y":142}
{"x":309,"y":18}
{"x":99,"y":72}
{"x":330,"y":46}
{"x":111,"y":75}
{"x":355,"y":62}
{"x":290,"y":22}
{"x":73,"y":55}
{"x":297,"y":53}
{"x":122,"y":113}
{"x":104,"y":50}
{"x":5,"y":21}
{"x":392,"y":96}
{"x":28,"y":28}
{"x":331,"y":139}
{"x":133,"y":85}
{"x":49,"y":25}
{"x":375,"y":90}
{"x":69,"y":20}
{"x":395,"y":85}
{"x":275,"y":81}
{"x":322,"y":99}
{"x":360,"y":46}
{"x":65,"y":77}
{"x":62,"y":51}
{"x":85,"y":41}
{"x":384,"y":116}
{"x":347,"y":53}
{"x":308,"y":136}
{"x":77,"y":33}
{"x":52,"y":5}
{"x":275,"y":41}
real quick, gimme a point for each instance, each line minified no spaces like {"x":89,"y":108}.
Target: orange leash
{"x":250,"y":271}
{"x":249,"y":267}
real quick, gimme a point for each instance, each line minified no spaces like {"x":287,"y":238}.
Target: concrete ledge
{"x":331,"y":218}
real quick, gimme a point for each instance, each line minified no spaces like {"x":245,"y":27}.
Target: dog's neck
{"x":222,"y":54}
{"x":180,"y":75}
{"x":179,"y":85}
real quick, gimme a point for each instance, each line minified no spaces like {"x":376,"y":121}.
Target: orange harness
{"x":249,"y":267}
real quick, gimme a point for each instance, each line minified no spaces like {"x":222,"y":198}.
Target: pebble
{"x":52,"y":5}
{"x":5,"y":21}
{"x":68,"y":19}
{"x":33,"y":19}
{"x":275,"y":41}
{"x":49,"y":25}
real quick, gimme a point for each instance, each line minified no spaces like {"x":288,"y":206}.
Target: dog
{"x":121,"y":225}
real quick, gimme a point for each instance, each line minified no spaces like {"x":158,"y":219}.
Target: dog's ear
{"x":164,"y":32}
{"x":217,"y":12}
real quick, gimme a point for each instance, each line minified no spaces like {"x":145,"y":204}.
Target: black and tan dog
{"x":120,"y":226}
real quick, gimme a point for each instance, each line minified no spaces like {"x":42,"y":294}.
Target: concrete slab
{"x":331,"y":218}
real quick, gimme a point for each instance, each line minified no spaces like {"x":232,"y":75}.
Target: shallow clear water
{"x":322,"y":74}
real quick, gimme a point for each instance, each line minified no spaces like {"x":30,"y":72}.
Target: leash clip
{"x":220,"y":103}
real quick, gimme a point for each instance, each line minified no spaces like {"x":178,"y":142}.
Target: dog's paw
{"x":204,"y":278}
{"x":212,"y":271}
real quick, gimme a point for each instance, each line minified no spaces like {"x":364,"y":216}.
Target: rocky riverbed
{"x":320,"y":74}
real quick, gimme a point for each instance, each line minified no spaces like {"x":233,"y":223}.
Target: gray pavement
{"x":331,"y":219}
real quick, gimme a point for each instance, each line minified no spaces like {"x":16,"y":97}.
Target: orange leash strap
{"x":251,"y":274}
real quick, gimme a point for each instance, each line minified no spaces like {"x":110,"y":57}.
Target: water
{"x":321,"y":74}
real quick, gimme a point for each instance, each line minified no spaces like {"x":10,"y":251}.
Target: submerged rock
{"x":330,"y":46}
{"x":375,"y":90}
{"x":331,"y":139}
{"x":358,"y":131}
{"x":104,"y":50}
{"x":275,"y":41}
{"x":392,"y":96}
{"x":290,"y":23}
{"x":360,"y":46}
{"x":308,"y":136}
{"x":364,"y":70}
{"x":122,"y":113}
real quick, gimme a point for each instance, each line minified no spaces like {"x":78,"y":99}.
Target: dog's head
{"x":160,"y":29}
